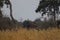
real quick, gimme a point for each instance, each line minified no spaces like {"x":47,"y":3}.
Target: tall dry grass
{"x":32,"y":34}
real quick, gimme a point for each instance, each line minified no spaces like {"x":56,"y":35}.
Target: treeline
{"x":38,"y":24}
{"x":7,"y":23}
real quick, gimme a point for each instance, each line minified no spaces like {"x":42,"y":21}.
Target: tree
{"x":49,"y":7}
{"x":8,"y":4}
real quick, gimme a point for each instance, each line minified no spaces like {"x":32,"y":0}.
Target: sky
{"x":25,"y":9}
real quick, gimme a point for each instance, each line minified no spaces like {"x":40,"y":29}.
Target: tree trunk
{"x":54,"y":17}
{"x":54,"y":20}
{"x":11,"y":13}
{"x":1,"y":13}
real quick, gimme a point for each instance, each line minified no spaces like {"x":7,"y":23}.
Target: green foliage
{"x":45,"y":24}
{"x":49,"y":7}
{"x":2,"y":2}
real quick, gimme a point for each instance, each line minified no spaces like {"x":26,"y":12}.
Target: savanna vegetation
{"x":32,"y":34}
{"x":11,"y":29}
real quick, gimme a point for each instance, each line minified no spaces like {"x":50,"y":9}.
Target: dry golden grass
{"x":32,"y":34}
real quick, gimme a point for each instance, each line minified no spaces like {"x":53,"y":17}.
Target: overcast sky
{"x":24,"y":9}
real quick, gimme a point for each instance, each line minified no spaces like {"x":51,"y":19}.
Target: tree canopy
{"x":49,"y":7}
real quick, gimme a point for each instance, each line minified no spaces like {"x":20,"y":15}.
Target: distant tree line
{"x":38,"y":24}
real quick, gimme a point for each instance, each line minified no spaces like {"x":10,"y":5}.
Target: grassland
{"x":32,"y":34}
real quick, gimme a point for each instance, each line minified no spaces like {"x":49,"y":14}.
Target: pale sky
{"x":25,"y":9}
